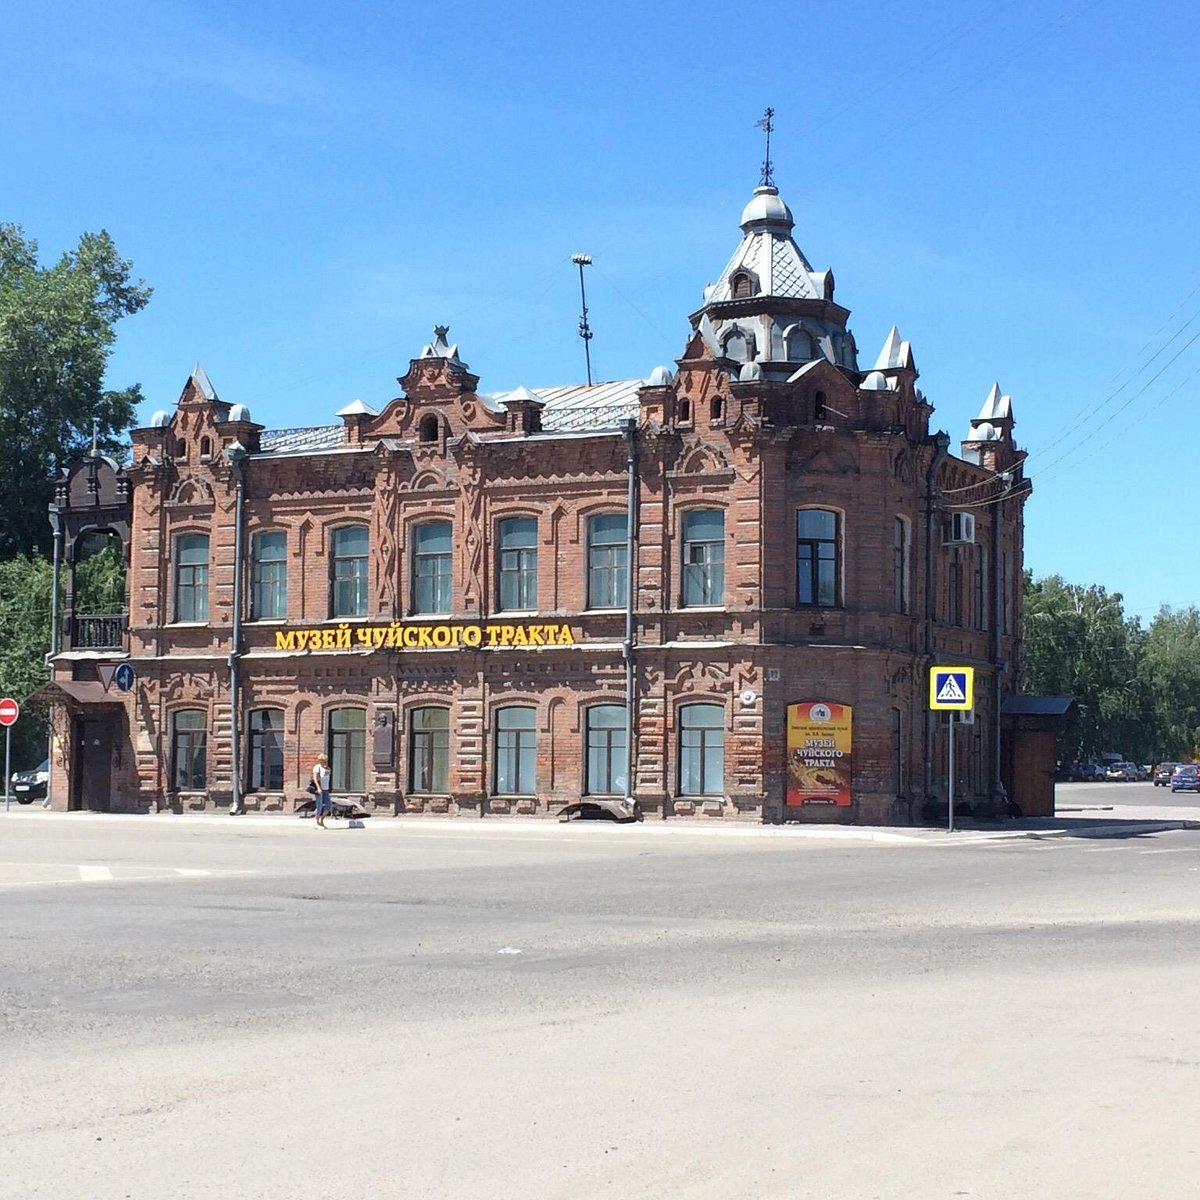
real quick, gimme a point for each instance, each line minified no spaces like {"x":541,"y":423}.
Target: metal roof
{"x":311,"y":440}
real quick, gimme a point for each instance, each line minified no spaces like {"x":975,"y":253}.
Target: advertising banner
{"x":819,"y":761}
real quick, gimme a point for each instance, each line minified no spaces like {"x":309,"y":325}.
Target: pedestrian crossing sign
{"x":951,"y":688}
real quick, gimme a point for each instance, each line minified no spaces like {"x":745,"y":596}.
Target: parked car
{"x":1163,"y":773}
{"x":28,"y":786}
{"x":1089,"y":772}
{"x":1126,"y":772}
{"x":1186,"y":778}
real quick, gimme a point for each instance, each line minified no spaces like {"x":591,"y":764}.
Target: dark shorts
{"x":324,"y":804}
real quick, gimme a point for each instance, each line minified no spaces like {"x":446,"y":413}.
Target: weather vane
{"x":767,"y":124}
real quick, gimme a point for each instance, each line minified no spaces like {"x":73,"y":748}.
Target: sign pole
{"x":950,"y":780}
{"x":7,"y":756}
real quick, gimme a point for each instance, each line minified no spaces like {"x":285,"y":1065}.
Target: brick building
{"x":438,"y":593}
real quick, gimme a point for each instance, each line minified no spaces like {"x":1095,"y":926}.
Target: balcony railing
{"x":99,"y":632}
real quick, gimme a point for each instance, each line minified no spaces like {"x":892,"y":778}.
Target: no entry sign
{"x":10,"y":710}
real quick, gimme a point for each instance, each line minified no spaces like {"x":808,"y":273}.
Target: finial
{"x":95,"y":435}
{"x":766,"y":123}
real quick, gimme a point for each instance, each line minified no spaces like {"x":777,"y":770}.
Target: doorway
{"x":92,"y":786}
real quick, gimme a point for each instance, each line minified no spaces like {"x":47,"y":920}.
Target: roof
{"x":1036,"y":706}
{"x":583,"y":406}
{"x":310,"y":440}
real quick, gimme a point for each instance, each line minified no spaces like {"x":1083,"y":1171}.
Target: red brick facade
{"x":756,"y":450}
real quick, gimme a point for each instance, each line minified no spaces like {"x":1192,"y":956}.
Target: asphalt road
{"x":1098,"y":794}
{"x":246,"y":1008}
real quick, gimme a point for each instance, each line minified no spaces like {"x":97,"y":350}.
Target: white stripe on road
{"x":91,"y":874}
{"x":191,"y":871}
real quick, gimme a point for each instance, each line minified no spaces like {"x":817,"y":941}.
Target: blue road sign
{"x":951,"y":688}
{"x":124,"y":677}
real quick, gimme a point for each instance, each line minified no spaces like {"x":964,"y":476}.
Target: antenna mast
{"x":581,"y":261}
{"x":766,"y":123}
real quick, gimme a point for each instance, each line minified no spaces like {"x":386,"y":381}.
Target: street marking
{"x":93,"y":874}
{"x":191,"y":871}
{"x":1171,"y":850}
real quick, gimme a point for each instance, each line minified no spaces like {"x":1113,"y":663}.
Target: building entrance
{"x":92,"y":785}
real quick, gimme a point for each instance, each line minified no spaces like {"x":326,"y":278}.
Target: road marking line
{"x":191,"y":871}
{"x":1171,"y":850}
{"x":92,"y":874}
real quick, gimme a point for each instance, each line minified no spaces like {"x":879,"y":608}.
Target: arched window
{"x":265,"y":766}
{"x":704,"y":556}
{"x":191,"y":577}
{"x":798,"y":344}
{"x":346,"y":746}
{"x":268,"y":575}
{"x":685,"y":411}
{"x":604,"y":726}
{"x":205,"y":447}
{"x":431,"y":567}
{"x":607,"y":551}
{"x":717,"y":410}
{"x":516,"y":751}
{"x":349,"y":568}
{"x":743,"y":286}
{"x":188,"y":738}
{"x":517,"y":566}
{"x":820,"y":408}
{"x":701,"y":750}
{"x":429,"y":750}
{"x":427,"y":431}
{"x":818,"y":557}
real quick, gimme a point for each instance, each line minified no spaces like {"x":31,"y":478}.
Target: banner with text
{"x":819,"y":764}
{"x":399,"y":636}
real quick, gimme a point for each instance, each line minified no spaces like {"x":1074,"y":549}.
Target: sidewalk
{"x":1107,"y":821}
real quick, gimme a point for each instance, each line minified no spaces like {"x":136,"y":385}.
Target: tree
{"x":56,"y":334}
{"x":1078,"y":642}
{"x":25,"y":587}
{"x":1171,"y":671}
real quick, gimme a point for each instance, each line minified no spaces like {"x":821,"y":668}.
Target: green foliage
{"x":56,"y":334}
{"x":25,"y":587}
{"x":1138,"y":689}
{"x":100,"y":580}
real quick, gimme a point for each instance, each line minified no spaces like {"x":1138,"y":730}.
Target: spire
{"x":896,"y":355}
{"x":996,"y":407}
{"x":440,"y":348}
{"x":766,"y":123}
{"x":200,"y":379}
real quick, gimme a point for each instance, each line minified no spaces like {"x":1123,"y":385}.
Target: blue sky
{"x":310,"y":188}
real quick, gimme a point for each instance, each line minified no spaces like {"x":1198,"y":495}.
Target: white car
{"x":1126,"y":771}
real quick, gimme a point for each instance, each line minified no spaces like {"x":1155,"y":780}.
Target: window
{"x":429,"y":750}
{"x":704,"y":556}
{"x":954,"y":589}
{"x":742,"y":287}
{"x":607,"y":560}
{"x":427,"y":431}
{"x":820,"y":407}
{"x":191,"y":577}
{"x":605,"y":734}
{"x":266,"y":750}
{"x":685,"y":411}
{"x":981,"y":613}
{"x":518,"y":564}
{"x":701,"y":750}
{"x":900,"y":556}
{"x":717,"y":410}
{"x":431,"y":567}
{"x":817,"y":566}
{"x":516,"y":751}
{"x":205,"y":447}
{"x":268,"y":584}
{"x":350,"y":567}
{"x":347,"y":749}
{"x":187,"y":750}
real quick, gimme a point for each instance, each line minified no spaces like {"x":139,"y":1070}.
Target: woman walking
{"x":321,"y":779}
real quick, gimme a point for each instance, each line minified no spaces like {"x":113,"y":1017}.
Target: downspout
{"x":998,"y":669}
{"x":941,"y":444}
{"x":56,"y":525}
{"x":629,"y":430}
{"x":235,"y":455}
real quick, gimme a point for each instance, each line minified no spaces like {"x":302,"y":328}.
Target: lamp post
{"x":581,"y":261}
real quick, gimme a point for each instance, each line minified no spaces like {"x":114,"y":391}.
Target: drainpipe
{"x":998,"y":668}
{"x":629,"y":430}
{"x":235,"y":455}
{"x":941,"y":444}
{"x":56,"y":525}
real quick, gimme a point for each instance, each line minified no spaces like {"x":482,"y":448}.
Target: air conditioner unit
{"x":959,"y":527}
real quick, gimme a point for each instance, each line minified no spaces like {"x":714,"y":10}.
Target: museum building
{"x":716,"y":591}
